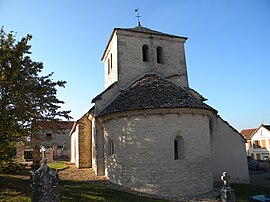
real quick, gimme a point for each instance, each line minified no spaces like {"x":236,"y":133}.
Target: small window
{"x":109,"y":66}
{"x":178,"y":148}
{"x":159,"y":55}
{"x":111,"y":60}
{"x":145,"y":53}
{"x":48,"y":136}
{"x":111,"y":147}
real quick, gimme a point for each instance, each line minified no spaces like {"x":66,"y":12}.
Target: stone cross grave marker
{"x":44,"y":184}
{"x":226,"y":192}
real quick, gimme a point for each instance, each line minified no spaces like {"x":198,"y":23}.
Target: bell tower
{"x":134,"y":52}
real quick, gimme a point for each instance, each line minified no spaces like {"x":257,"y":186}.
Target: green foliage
{"x":26,"y":97}
{"x":10,"y":168}
{"x":7,"y":150}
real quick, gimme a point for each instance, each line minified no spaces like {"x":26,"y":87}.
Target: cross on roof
{"x":138,"y":16}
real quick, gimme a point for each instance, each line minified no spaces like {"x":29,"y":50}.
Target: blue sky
{"x":228,"y":50}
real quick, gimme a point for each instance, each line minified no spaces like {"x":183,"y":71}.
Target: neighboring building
{"x":148,"y":130}
{"x":53,"y":135}
{"x":258,"y":142}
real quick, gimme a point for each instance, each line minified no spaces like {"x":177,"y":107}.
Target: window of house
{"x":178,"y":148}
{"x":48,"y":136}
{"x":257,"y":144}
{"x":111,"y":147}
{"x":159,"y":55}
{"x":145,"y":53}
{"x":250,"y":144}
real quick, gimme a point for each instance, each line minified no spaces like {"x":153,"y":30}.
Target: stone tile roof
{"x":152,"y":92}
{"x":53,"y":125}
{"x":148,"y":31}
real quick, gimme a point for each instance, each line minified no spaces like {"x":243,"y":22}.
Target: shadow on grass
{"x":13,"y":188}
{"x":86,"y":191}
{"x":243,"y":191}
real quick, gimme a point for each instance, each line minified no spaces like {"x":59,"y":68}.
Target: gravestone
{"x":226,"y":192}
{"x":44,"y":184}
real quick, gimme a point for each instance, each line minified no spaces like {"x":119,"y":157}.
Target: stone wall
{"x":110,"y":61}
{"x":130,"y":61}
{"x":123,"y":61}
{"x":228,"y":152}
{"x":98,"y":148}
{"x":85,"y":142}
{"x":143,"y":156}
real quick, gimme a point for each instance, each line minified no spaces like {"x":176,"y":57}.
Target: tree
{"x":26,"y":97}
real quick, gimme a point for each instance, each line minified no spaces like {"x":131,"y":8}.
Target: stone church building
{"x":148,"y":130}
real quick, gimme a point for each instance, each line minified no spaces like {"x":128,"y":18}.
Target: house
{"x":148,"y":130}
{"x":258,"y":142}
{"x":53,"y":135}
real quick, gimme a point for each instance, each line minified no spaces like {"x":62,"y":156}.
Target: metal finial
{"x":138,"y":16}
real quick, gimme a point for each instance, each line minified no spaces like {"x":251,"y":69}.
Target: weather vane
{"x":138,"y":16}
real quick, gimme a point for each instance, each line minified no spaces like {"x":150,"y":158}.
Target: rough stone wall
{"x":110,"y":59}
{"x":125,"y":51}
{"x":85,"y":142}
{"x":228,"y":152}
{"x":143,"y":156}
{"x":98,"y":148}
{"x":130,"y":60}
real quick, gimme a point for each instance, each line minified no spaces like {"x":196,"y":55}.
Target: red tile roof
{"x":247,"y":133}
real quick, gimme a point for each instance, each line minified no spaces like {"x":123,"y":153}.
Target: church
{"x":148,"y":130}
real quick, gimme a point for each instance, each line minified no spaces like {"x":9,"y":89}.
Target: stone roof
{"x":54,"y":125}
{"x":142,"y":29}
{"x":152,"y":92}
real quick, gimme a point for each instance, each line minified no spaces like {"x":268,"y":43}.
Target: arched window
{"x":145,"y":53}
{"x":178,"y":147}
{"x":159,"y":55}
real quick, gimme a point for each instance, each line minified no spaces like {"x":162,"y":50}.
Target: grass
{"x":243,"y":191}
{"x":58,"y":165}
{"x":17,"y":188}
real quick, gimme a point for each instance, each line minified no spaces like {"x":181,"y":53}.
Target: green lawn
{"x":13,"y":188}
{"x":58,"y":165}
{"x":243,"y":191}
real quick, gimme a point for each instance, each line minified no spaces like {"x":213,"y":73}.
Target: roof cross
{"x":138,"y":16}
